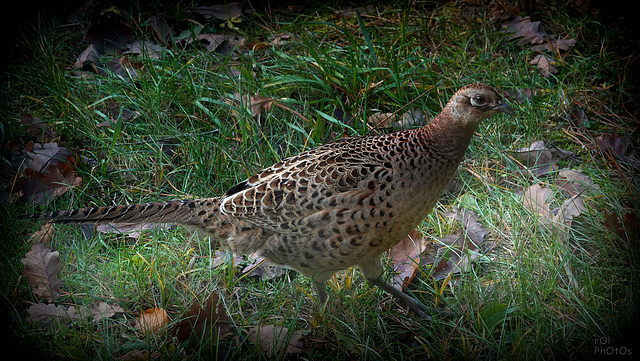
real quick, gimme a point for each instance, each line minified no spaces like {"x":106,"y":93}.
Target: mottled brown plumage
{"x":341,"y":204}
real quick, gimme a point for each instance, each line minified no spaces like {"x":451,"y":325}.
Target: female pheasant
{"x":341,"y":204}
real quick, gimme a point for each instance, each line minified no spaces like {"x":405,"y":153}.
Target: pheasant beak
{"x":504,"y":108}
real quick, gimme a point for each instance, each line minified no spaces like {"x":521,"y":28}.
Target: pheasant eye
{"x":478,"y":100}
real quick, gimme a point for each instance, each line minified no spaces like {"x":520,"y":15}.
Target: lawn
{"x":106,"y":104}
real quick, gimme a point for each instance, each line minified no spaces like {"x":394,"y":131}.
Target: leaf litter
{"x":41,"y":315}
{"x":549,"y":48}
{"x":451,"y":254}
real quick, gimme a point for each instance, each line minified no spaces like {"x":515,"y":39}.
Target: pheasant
{"x":341,"y":204}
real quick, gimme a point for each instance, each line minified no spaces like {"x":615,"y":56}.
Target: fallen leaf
{"x":525,"y":29}
{"x":39,"y":156}
{"x":556,"y":46}
{"x":519,"y":95}
{"x":579,"y":119}
{"x":43,"y":314}
{"x":262,"y":269}
{"x":152,"y":320}
{"x":256,"y":104}
{"x":545,"y":63}
{"x":144,"y":48}
{"x":454,"y":253}
{"x":131,"y":230}
{"x":276,"y":339}
{"x":219,"y":258}
{"x":43,"y":235}
{"x":278,"y":40}
{"x":574,"y":183}
{"x":38,"y":128}
{"x":537,"y":158}
{"x":618,"y":146}
{"x":411,"y":118}
{"x":260,"y":104}
{"x":102,"y":310}
{"x":207,"y":323}
{"x":570,"y":208}
{"x":41,"y":269}
{"x":382,"y":120}
{"x":536,"y":199}
{"x":220,"y":43}
{"x":92,"y":312}
{"x":89,"y":55}
{"x":470,"y":224}
{"x":405,"y":257}
{"x":41,"y":187}
{"x":628,"y":230}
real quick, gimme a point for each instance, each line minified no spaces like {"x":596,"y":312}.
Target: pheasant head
{"x":475,"y":102}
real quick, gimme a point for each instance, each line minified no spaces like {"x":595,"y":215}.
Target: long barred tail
{"x":181,"y":212}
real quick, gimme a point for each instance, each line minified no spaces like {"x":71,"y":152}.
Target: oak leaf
{"x":152,"y":320}
{"x":41,"y":269}
{"x":405,"y":257}
{"x":454,"y":253}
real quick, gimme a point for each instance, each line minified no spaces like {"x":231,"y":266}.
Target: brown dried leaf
{"x":411,"y":118}
{"x":455,"y":252}
{"x":40,"y":156}
{"x":276,"y":339}
{"x":41,"y":315}
{"x":537,"y":158}
{"x":261,"y":268}
{"x":545,"y":63}
{"x":628,"y":230}
{"x":152,"y":320}
{"x":43,"y":235}
{"x":619,"y":146}
{"x":145,"y":49}
{"x":220,"y":43}
{"x":570,"y":208}
{"x":382,"y":120}
{"x":89,"y":55}
{"x":574,"y":183}
{"x":470,"y":224}
{"x":201,"y":322}
{"x":520,"y":95}
{"x":219,"y":258}
{"x":255,"y":104}
{"x":42,"y":187}
{"x":525,"y":29}
{"x":405,"y":257}
{"x":41,"y":269}
{"x":555,"y":46}
{"x":38,"y":128}
{"x":536,"y":199}
{"x":260,"y":104}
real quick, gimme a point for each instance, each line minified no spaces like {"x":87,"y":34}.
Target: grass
{"x":538,"y":294}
